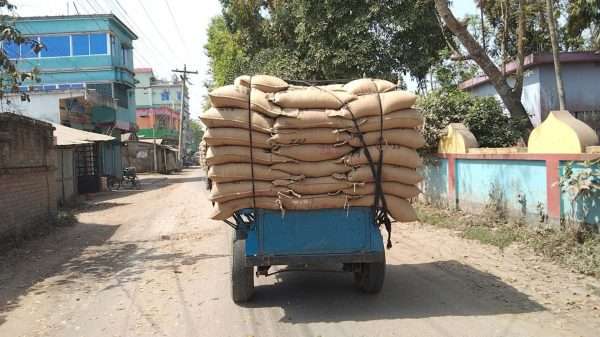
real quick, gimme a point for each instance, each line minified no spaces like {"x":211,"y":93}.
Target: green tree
{"x":332,"y":39}
{"x":10,"y":76}
{"x":450,"y":105}
{"x":227,"y":58}
{"x":197,"y":134}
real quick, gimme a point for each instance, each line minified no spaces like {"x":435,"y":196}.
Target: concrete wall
{"x":66,"y":179}
{"x":525,"y":185}
{"x":516,"y":185}
{"x":28,"y":188}
{"x":43,"y":105}
{"x":141,"y":156}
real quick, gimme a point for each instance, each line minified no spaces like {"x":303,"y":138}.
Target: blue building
{"x":85,"y":80}
{"x":580,"y":72}
{"x":86,"y":66}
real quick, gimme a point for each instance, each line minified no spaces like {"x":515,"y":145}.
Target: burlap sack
{"x":311,"y":186}
{"x":313,"y":152}
{"x":314,"y":169}
{"x":365,"y":86}
{"x":402,"y":119}
{"x":235,"y":136}
{"x":309,"y":136}
{"x":368,"y":105}
{"x":231,"y":96}
{"x":311,"y":98}
{"x":393,"y":173}
{"x":264,"y":83}
{"x":241,"y":154}
{"x":224,"y":210}
{"x":392,"y":155}
{"x":332,"y":87}
{"x":222,"y":192}
{"x":240,"y":172}
{"x":311,"y":119}
{"x":400,"y":209}
{"x":389,"y":187}
{"x":410,"y":138}
{"x":235,"y":118}
{"x":314,"y":202}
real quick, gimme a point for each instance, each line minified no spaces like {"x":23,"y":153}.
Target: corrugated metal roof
{"x":69,"y":136}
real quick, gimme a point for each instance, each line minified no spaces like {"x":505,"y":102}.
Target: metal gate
{"x":87,"y":169}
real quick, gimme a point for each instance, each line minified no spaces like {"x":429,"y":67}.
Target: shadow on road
{"x":22,"y":269}
{"x":444,"y":288}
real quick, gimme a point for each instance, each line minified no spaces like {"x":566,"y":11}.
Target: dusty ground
{"x":149,"y":263}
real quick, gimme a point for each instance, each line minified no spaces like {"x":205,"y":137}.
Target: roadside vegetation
{"x":573,"y":246}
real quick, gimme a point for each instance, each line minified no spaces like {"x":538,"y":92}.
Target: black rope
{"x":251,"y":145}
{"x":379,"y":195}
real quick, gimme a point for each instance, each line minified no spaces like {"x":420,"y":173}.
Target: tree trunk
{"x":560,"y":89}
{"x":518,"y":88}
{"x":511,"y":101}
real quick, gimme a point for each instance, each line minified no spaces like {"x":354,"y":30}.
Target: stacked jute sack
{"x":308,"y":146}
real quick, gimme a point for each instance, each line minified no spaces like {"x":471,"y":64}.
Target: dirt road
{"x":149,"y":263}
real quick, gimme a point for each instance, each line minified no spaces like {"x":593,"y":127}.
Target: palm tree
{"x":555,"y":54}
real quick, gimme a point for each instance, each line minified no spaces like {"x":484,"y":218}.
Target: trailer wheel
{"x":242,"y":277}
{"x":371,"y":276}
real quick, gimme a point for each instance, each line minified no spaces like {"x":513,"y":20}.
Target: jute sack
{"x":309,"y":136}
{"x":240,"y":172}
{"x":332,"y":87}
{"x":408,"y":118}
{"x":392,"y":155}
{"x":365,"y":86}
{"x":235,"y":118}
{"x":231,"y":96}
{"x":389,"y":187}
{"x":368,"y":105}
{"x":314,"y":202}
{"x":393,"y":173}
{"x":311,"y":186}
{"x":241,"y":154}
{"x":235,"y":136}
{"x":313,"y":152}
{"x":264,"y":83}
{"x":313,"y":169}
{"x":400,"y":209}
{"x":222,"y":192}
{"x":224,"y":210}
{"x":410,"y":138}
{"x":311,"y":98}
{"x":311,"y":119}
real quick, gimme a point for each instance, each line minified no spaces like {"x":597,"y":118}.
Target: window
{"x":125,"y":56}
{"x":81,"y":44}
{"x":165,"y":96}
{"x":27,"y":50}
{"x":56,"y":46}
{"x":98,"y":44}
{"x":11,"y":49}
{"x":179,"y":95}
{"x":121,"y":95}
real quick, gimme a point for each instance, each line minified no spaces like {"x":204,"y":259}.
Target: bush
{"x":482,"y":115}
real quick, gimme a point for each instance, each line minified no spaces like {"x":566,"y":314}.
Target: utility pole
{"x":184,"y":79}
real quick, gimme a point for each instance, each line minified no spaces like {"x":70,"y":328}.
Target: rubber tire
{"x":242,"y":277}
{"x":371,"y":277}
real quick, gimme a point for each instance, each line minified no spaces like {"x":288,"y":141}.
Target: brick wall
{"x":27,"y":175}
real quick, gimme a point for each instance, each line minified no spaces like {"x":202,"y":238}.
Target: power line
{"x":166,"y":41}
{"x":175,"y":23}
{"x":148,"y":42}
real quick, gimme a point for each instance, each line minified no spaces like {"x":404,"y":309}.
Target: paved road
{"x":149,"y":263}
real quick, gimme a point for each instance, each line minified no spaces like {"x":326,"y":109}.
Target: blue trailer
{"x":264,"y":238}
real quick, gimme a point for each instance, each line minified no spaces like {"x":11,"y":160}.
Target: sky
{"x":171,"y":32}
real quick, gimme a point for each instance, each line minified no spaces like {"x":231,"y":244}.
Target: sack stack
{"x":277,"y":146}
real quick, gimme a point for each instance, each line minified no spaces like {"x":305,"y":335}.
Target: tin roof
{"x":69,"y":136}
